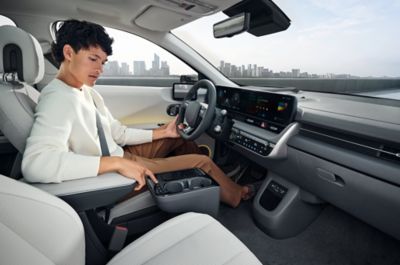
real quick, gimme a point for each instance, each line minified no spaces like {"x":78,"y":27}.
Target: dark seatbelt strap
{"x":102,"y":137}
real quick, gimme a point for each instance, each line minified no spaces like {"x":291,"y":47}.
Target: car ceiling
{"x":129,"y":15}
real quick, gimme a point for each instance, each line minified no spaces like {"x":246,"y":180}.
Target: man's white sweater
{"x":64,"y":143}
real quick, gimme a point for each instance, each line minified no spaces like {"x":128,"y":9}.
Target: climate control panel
{"x":250,"y":142}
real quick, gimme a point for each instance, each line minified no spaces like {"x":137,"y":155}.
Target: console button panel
{"x":250,"y":142}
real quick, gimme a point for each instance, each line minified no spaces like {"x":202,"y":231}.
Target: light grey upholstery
{"x":38,"y":228}
{"x":32,"y":68}
{"x":17,"y":98}
{"x":190,"y":238}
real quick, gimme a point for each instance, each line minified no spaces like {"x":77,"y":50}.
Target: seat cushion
{"x":37,"y":228}
{"x":190,"y":238}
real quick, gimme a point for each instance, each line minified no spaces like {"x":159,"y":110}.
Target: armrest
{"x":89,"y":193}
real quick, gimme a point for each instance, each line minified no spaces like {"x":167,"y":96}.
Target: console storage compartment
{"x":281,"y":209}
{"x":189,"y":190}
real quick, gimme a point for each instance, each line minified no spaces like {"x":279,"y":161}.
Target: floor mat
{"x":334,"y":238}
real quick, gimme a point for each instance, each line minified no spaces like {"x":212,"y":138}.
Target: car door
{"x":137,"y":80}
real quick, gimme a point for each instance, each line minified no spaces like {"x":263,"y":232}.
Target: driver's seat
{"x":37,"y":228}
{"x":21,"y":53}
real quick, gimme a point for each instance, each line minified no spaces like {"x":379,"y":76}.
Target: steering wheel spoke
{"x":187,"y":129}
{"x":196,"y":116}
{"x":203,"y":110}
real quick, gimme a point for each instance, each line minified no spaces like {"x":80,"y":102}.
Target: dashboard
{"x":341,"y":149}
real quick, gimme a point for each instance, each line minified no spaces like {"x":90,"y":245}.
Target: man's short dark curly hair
{"x":80,"y":35}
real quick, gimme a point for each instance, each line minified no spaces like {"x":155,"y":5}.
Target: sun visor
{"x":160,"y":19}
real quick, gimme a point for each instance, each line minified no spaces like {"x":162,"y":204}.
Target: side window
{"x":138,"y":62}
{"x":6,"y":21}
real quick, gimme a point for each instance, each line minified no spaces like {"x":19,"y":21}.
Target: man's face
{"x":86,"y":65}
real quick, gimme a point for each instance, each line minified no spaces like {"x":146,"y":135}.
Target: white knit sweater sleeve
{"x":47,"y":157}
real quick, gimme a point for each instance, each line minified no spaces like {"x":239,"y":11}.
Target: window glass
{"x":332,"y":46}
{"x":136,"y":61}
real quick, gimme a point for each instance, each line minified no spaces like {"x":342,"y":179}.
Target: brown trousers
{"x":185,"y":155}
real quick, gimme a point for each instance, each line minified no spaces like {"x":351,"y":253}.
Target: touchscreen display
{"x":266,"y":106}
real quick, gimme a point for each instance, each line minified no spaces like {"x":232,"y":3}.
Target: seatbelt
{"x":102,"y":137}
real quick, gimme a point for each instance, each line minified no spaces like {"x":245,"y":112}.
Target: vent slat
{"x":372,"y":147}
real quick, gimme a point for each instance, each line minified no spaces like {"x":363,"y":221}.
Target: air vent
{"x":357,"y":143}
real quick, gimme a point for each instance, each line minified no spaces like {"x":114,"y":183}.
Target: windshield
{"x":331,"y":46}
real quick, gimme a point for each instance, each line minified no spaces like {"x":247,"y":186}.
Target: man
{"x":64,"y":141}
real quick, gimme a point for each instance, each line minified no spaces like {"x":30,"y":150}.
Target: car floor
{"x":333,"y":238}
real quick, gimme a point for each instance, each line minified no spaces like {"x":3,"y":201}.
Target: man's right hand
{"x":127,"y":168}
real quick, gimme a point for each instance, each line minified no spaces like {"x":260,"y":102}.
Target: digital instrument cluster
{"x":270,"y":111}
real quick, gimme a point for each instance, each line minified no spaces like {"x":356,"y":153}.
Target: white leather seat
{"x":38,"y":228}
{"x":18,"y":99}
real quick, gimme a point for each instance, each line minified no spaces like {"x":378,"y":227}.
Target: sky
{"x":358,"y":37}
{"x":348,"y":36}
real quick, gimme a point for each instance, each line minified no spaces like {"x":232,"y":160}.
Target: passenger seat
{"x":38,"y":228}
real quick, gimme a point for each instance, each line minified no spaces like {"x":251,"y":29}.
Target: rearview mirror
{"x":232,"y":26}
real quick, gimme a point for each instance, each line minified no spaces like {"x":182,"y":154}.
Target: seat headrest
{"x":20,"y":53}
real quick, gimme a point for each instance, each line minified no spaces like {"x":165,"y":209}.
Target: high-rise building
{"x":111,"y":68}
{"x":295,"y":73}
{"x":249,"y":71}
{"x":155,"y":65}
{"x":164,"y":68}
{"x":221,"y":65}
{"x":139,"y":68}
{"x":124,"y":70}
{"x":260,"y":71}
{"x":227,"y":69}
{"x":254,"y":70}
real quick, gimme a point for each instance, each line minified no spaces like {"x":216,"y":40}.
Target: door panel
{"x":138,"y":106}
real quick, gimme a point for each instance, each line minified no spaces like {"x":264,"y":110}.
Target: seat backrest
{"x":21,"y":65}
{"x":37,"y":228}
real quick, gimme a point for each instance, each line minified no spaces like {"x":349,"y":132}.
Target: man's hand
{"x":134,"y":170}
{"x":166,"y":131}
{"x":170,"y":129}
{"x":127,"y":168}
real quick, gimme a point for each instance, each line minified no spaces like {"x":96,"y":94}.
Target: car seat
{"x":39,"y":228}
{"x":21,"y":66}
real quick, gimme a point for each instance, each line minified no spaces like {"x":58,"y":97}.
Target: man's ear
{"x":68,"y":51}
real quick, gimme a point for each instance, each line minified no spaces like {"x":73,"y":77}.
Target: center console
{"x":190,"y":190}
{"x":255,"y":122}
{"x":281,"y":209}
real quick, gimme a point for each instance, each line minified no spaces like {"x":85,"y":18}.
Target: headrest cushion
{"x":20,"y":52}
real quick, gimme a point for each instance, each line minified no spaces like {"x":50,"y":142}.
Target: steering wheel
{"x":196,"y":117}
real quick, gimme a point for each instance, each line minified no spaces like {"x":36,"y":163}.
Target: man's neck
{"x":65,"y":76}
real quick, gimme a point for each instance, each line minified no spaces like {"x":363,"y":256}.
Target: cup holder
{"x":183,"y":185}
{"x":186,"y":190}
{"x":199,"y":182}
{"x":174,"y":187}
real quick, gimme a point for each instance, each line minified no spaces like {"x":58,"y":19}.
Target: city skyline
{"x":116,"y":68}
{"x":161,"y":68}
